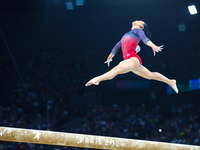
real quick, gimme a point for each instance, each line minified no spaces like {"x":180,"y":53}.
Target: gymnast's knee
{"x":150,"y":76}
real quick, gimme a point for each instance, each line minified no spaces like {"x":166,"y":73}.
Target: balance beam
{"x":86,"y":141}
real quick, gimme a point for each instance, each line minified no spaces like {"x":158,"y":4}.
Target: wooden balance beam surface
{"x":86,"y":141}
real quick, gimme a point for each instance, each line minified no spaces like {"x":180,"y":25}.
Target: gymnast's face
{"x":138,"y":24}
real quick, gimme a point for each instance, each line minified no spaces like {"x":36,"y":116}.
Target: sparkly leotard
{"x":129,"y":42}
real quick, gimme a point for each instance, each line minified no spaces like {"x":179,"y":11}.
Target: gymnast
{"x":132,"y":62}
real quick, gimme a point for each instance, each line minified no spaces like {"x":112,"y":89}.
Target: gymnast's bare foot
{"x":173,"y":85}
{"x":92,"y":81}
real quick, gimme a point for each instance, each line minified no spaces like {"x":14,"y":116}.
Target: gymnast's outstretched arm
{"x":113,"y":52}
{"x":154,"y":47}
{"x":147,"y":41}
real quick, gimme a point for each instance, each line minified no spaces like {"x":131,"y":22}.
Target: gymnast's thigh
{"x":130,"y":64}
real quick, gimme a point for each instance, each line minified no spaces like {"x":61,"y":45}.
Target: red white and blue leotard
{"x":129,"y":42}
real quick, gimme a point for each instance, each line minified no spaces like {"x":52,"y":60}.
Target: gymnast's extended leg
{"x":122,"y":68}
{"x":145,"y":73}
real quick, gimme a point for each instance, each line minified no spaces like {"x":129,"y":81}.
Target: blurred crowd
{"x":174,"y":124}
{"x":50,"y":81}
{"x":14,"y":116}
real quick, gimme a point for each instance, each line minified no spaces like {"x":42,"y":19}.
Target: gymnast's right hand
{"x":109,"y":59}
{"x":108,"y":62}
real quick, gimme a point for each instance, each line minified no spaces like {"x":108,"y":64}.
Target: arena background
{"x":48,"y":53}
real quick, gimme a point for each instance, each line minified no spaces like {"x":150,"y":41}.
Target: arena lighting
{"x":79,"y":2}
{"x":192,"y":9}
{"x":70,"y":4}
{"x":181,"y":27}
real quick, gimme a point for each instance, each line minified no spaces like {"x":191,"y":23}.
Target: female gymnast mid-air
{"x":132,"y":62}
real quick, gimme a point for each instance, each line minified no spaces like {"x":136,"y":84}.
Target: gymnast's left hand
{"x":157,"y":49}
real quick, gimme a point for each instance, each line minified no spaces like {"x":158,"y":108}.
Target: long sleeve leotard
{"x":129,"y":42}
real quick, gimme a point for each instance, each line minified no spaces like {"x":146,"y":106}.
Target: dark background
{"x":48,"y":53}
{"x":71,"y":46}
